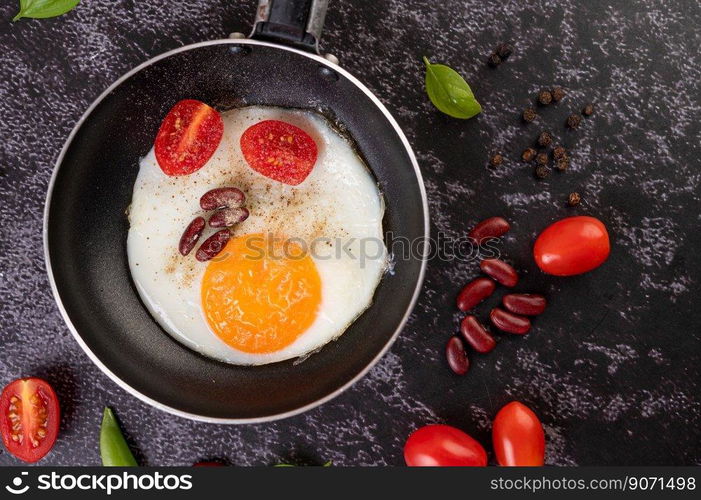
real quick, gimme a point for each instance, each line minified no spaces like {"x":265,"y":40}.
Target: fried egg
{"x":293,"y":276}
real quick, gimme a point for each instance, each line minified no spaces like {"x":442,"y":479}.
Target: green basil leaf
{"x":40,"y":9}
{"x":113,"y":447}
{"x":449,"y":92}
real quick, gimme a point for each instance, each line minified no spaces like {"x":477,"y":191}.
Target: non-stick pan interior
{"x":87,"y":230}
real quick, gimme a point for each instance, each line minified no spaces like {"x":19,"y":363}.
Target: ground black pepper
{"x":573,"y":199}
{"x":588,"y":110}
{"x":545,"y":139}
{"x":528,"y":154}
{"x":573,"y":121}
{"x":541,"y":171}
{"x":558,"y":94}
{"x":529,"y":115}
{"x":545,"y":97}
{"x":496,"y":160}
{"x":542,"y":159}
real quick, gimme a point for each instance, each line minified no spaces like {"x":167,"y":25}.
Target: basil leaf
{"x":114,"y":449}
{"x":40,"y":9}
{"x":449,"y":92}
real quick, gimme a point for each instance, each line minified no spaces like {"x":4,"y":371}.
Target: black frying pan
{"x":85,"y":226}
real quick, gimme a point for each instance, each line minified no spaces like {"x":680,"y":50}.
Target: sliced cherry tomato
{"x":188,"y":137}
{"x":518,"y":436}
{"x":572,"y":246}
{"x":29,"y":418}
{"x":279,"y":150}
{"x":443,"y":446}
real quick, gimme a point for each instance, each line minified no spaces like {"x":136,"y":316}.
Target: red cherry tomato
{"x":208,"y":464}
{"x":518,"y":436}
{"x":572,"y":246}
{"x":443,"y":446}
{"x":279,"y":150}
{"x":29,"y":418}
{"x":188,"y":137}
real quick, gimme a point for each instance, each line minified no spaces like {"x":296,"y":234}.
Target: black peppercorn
{"x":559,"y":153}
{"x":558,"y":94}
{"x":503,"y":50}
{"x":545,"y":97}
{"x":588,"y":110}
{"x":494,"y":60}
{"x":573,"y":199}
{"x":573,"y":121}
{"x":528,"y":154}
{"x":545,"y":139}
{"x":496,"y":160}
{"x":541,"y":171}
{"x":542,"y":159}
{"x":562,"y":164}
{"x":529,"y":115}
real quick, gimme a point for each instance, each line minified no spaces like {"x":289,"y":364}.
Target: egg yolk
{"x":260,"y":293}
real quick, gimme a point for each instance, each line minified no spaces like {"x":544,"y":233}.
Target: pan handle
{"x":291,"y":22}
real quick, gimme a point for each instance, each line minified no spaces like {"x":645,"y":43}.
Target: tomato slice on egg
{"x":188,"y":137}
{"x":29,"y":418}
{"x":279,"y":151}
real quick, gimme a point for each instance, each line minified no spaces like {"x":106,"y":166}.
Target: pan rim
{"x":222,"y":420}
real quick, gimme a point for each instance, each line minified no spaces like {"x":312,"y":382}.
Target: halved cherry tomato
{"x":279,"y":150}
{"x":518,"y":436}
{"x":572,"y":246}
{"x":188,"y":137}
{"x":443,"y":446}
{"x":29,"y":418}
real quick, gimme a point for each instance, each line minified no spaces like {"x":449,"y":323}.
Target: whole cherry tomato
{"x":572,"y":246}
{"x":29,"y":418}
{"x":443,"y":446}
{"x":518,"y":436}
{"x":188,"y":137}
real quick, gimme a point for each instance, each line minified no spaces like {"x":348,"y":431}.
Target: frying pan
{"x":85,"y":226}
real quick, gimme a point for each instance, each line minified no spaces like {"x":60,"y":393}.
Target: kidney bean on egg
{"x":227,"y":217}
{"x":475,"y":292}
{"x":508,"y":322}
{"x":499,"y":271}
{"x":213,"y":245}
{"x":225,"y":197}
{"x":457,"y":357}
{"x":489,"y":228}
{"x":476,"y":334}
{"x":192,"y":233}
{"x":527,"y":304}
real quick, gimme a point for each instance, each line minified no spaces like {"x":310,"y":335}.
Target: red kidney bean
{"x":227,"y":217}
{"x":528,"y":304}
{"x":508,"y":322}
{"x":499,"y":271}
{"x":213,"y":245}
{"x":225,"y":197}
{"x":476,"y":335}
{"x":192,"y":233}
{"x":489,"y":228}
{"x":457,"y":357}
{"x":475,"y":292}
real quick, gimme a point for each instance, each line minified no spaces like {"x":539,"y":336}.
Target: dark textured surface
{"x":612,"y":367}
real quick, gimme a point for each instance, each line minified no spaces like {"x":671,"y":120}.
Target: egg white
{"x":339,"y":207}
